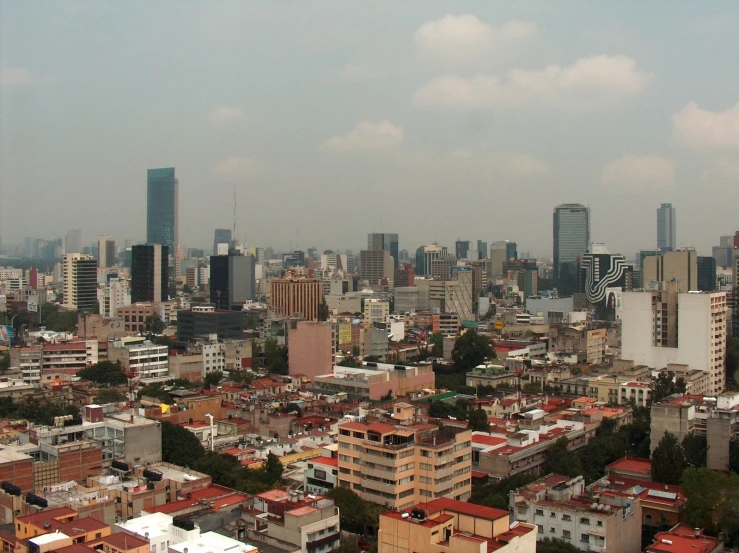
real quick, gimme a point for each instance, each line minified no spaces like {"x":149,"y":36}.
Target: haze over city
{"x":332,"y":120}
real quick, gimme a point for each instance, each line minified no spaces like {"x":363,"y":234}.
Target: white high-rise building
{"x":113,"y":294}
{"x":80,"y":281}
{"x":666,"y":326}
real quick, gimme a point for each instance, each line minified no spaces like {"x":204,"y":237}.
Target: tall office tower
{"x":735,"y":292}
{"x":149,"y":272}
{"x":296,"y":297}
{"x":666,"y":228}
{"x":680,"y":266}
{"x":706,"y":274}
{"x":222,"y":236}
{"x":482,"y":248}
{"x":106,"y":251}
{"x":404,"y":277}
{"x":601,"y":271}
{"x":660,"y":327}
{"x":425,"y":255}
{"x":162,"y":210}
{"x":498,"y":255}
{"x":404,"y":257}
{"x":232,"y":280}
{"x":80,"y":281}
{"x":511,"y":250}
{"x":461,"y":247}
{"x":73,"y":241}
{"x":384,"y":241}
{"x":441,"y":267}
{"x":375,"y":265}
{"x":724,"y":252}
{"x":571,"y":235}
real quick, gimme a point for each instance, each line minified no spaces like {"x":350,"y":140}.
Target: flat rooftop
{"x":178,"y":474}
{"x":211,"y":542}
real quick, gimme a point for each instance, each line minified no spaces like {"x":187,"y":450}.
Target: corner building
{"x":402,"y":465}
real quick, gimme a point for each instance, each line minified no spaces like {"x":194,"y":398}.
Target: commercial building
{"x":666,"y":218}
{"x":203,"y":321}
{"x":373,"y":342}
{"x":149,"y":273}
{"x":384,"y":241}
{"x":232,"y":280}
{"x":162,"y":210}
{"x":375,"y":265}
{"x":425,"y":255}
{"x":706,"y":273}
{"x":411,"y":299}
{"x":461,"y":247}
{"x":680,"y":266}
{"x":112,"y":295}
{"x":149,"y":360}
{"x":80,"y":282}
{"x":449,"y":526}
{"x":221,"y":240}
{"x":296,"y":297}
{"x":459,"y":296}
{"x":375,"y":311}
{"x":403,"y":465}
{"x":135,"y":315}
{"x":601,"y":271}
{"x":375,"y":380}
{"x":322,"y":474}
{"x":404,"y":276}
{"x":664,"y":326}
{"x":106,"y":251}
{"x":312,"y":348}
{"x":571,"y":237}
{"x":73,"y":241}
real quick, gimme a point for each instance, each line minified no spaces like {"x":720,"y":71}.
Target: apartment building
{"x":296,"y":297}
{"x":561,"y":509}
{"x":666,"y":326}
{"x":47,"y":361}
{"x":375,"y":380}
{"x":400,"y":465}
{"x":149,"y":360}
{"x":449,"y":526}
{"x":376,"y":311}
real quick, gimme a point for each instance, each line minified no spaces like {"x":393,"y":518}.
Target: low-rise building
{"x":375,"y":380}
{"x":149,"y":360}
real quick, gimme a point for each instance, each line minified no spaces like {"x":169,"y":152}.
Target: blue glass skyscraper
{"x":162,"y":199}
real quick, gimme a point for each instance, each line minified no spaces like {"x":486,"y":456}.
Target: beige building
{"x":376,"y":311}
{"x":449,"y":526}
{"x":401,"y":465}
{"x":376,"y":265}
{"x":680,"y":265}
{"x":295,"y":297}
{"x":312,"y":348}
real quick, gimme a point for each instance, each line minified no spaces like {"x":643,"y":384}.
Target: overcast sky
{"x":435,"y":120}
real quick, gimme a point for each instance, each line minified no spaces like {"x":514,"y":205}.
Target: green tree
{"x":560,"y":460}
{"x":273,"y":468}
{"x":355,"y":351}
{"x":163,"y":340}
{"x":347,"y":545}
{"x":695,"y":449}
{"x":293,"y":408}
{"x":212,"y":379}
{"x":497,"y":494}
{"x":713,"y":500}
{"x":665,"y":384}
{"x":275,"y":357}
{"x":554,"y":545}
{"x":437,"y":344}
{"x":478,"y":420}
{"x":668,"y":461}
{"x":109,"y":395}
{"x":350,"y":361}
{"x":154,"y":324}
{"x":323,"y":310}
{"x":352,"y":509}
{"x":471,"y":349}
{"x":4,"y":361}
{"x":104,"y":372}
{"x":180,"y":446}
{"x":223,"y":469}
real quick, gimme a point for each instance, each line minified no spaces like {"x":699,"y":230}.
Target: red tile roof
{"x":462,"y":507}
{"x":329,"y":461}
{"x":122,"y":541}
{"x":380,"y":427}
{"x":632,"y":464}
{"x":487,"y":440}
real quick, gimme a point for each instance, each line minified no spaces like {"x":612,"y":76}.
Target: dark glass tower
{"x":149,"y":272}
{"x":162,"y":199}
{"x":571,"y":237}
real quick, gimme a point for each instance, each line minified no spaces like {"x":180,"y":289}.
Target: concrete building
{"x":232,"y":280}
{"x":149,"y":273}
{"x":322,"y":474}
{"x":151,"y":361}
{"x":459,"y":297}
{"x":204,"y":321}
{"x":560,"y":508}
{"x":403,"y":465}
{"x":411,"y":299}
{"x":312,"y":348}
{"x":571,"y":237}
{"x":73,"y":241}
{"x":441,"y":267}
{"x":221,"y":236}
{"x":664,"y":326}
{"x":160,"y":530}
{"x":80,"y":282}
{"x":211,"y":542}
{"x":135,"y":315}
{"x":376,"y":265}
{"x":375,"y":380}
{"x":449,"y":526}
{"x":706,"y":272}
{"x":384,"y":241}
{"x":375,"y":311}
{"x":296,"y":297}
{"x":666,"y":219}
{"x":106,"y":251}
{"x":112,"y":295}
{"x":425,"y":255}
{"x":680,"y":266}
{"x":374,"y":342}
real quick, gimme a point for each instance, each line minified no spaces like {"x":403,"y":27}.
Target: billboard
{"x":345,"y":333}
{"x":416,"y":335}
{"x":613,"y":301}
{"x":6,"y":334}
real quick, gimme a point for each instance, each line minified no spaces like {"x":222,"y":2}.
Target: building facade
{"x":162,"y":209}
{"x":80,"y":282}
{"x":296,"y":297}
{"x":571,"y":236}
{"x":149,"y":273}
{"x":384,"y":241}
{"x":666,"y":217}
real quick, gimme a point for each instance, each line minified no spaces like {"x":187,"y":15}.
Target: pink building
{"x":312,"y":346}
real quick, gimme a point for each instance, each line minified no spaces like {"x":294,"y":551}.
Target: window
{"x":552,"y":530}
{"x":585,"y":538}
{"x":566,"y":534}
{"x":566,"y":517}
{"x":541,"y":528}
{"x":584,"y":520}
{"x":599,"y":524}
{"x":153,"y":548}
{"x":648,"y":520}
{"x":539,"y":512}
{"x":552,"y":515}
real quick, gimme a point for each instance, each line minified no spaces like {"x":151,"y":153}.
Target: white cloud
{"x":632,"y":174}
{"x":723,"y":171}
{"x":235,"y":169}
{"x":366,"y":136}
{"x":21,"y":77}
{"x":589,"y":83}
{"x":703,"y":129}
{"x":224,"y":115}
{"x":464,"y":38}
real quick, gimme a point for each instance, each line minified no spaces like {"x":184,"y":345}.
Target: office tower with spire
{"x":162,"y":210}
{"x":571,"y":234}
{"x":666,"y":228}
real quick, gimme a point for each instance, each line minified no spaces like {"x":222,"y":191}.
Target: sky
{"x":332,"y":119}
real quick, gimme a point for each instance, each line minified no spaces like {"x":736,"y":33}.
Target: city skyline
{"x":455,"y":120}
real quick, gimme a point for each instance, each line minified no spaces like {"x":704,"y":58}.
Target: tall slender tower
{"x":571,"y":235}
{"x":666,"y":228}
{"x":162,"y":211}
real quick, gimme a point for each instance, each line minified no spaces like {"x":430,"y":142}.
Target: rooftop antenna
{"x":234,"y":233}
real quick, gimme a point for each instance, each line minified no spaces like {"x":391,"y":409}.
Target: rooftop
{"x":211,"y":542}
{"x":122,"y":541}
{"x":632,"y":464}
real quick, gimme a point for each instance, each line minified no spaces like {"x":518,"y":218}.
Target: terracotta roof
{"x":632,"y":464}
{"x":329,"y":461}
{"x":122,"y":541}
{"x":462,"y":507}
{"x":487,"y":440}
{"x":52,"y":514}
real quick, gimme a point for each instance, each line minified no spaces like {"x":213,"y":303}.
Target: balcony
{"x":597,"y":548}
{"x":377,"y":472}
{"x":392,"y":447}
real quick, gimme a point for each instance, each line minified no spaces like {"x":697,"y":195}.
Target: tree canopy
{"x":275,"y":357}
{"x":665,"y":384}
{"x":180,"y":446}
{"x":668,"y":460}
{"x":212,"y":379}
{"x":560,"y":460}
{"x":713,"y":500}
{"x":478,"y":420}
{"x":104,"y":372}
{"x":154,"y":324}
{"x":553,"y":545}
{"x":471,"y":349}
{"x":437,"y":344}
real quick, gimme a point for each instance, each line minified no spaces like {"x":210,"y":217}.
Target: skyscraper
{"x":232,"y":279}
{"x":425,"y":255}
{"x":106,"y":251}
{"x":571,"y":235}
{"x":162,"y":207}
{"x":706,"y":274}
{"x":149,"y":272}
{"x":461,"y":247}
{"x":482,"y":248}
{"x":666,"y":228}
{"x":222,"y":236}
{"x":384,"y":241}
{"x":73,"y":241}
{"x":80,"y":281}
